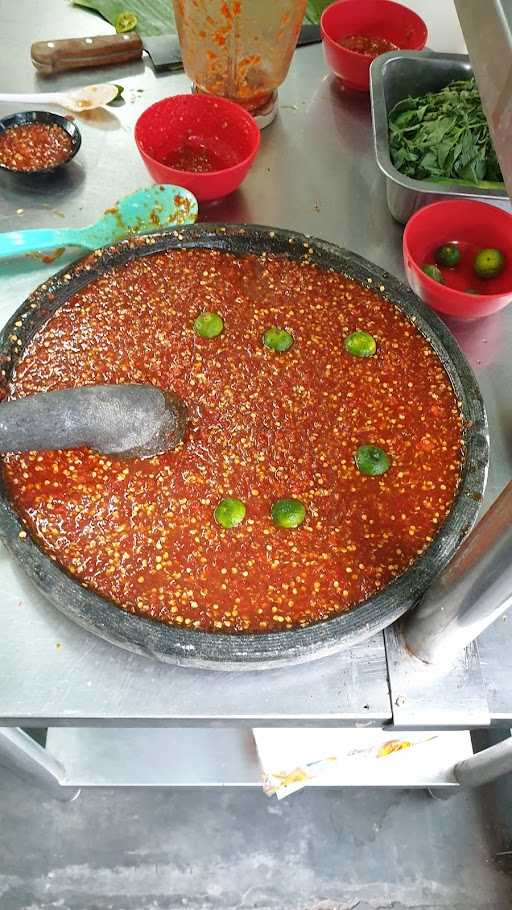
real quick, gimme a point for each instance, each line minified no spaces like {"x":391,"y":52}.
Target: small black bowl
{"x":23,"y":117}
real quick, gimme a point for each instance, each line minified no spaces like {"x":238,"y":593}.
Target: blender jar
{"x":239,"y":49}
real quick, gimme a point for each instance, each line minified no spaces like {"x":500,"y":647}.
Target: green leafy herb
{"x":443,"y":136}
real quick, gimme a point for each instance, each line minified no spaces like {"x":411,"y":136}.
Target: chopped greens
{"x":444,"y":136}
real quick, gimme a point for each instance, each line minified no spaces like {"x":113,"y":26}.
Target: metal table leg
{"x":485,"y":766}
{"x":481,"y":768}
{"x":21,"y":754}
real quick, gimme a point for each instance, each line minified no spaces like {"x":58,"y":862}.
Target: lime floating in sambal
{"x":372,"y":461}
{"x":277,"y":339}
{"x":360,"y":344}
{"x":230,"y":512}
{"x":288,"y":513}
{"x":208,"y":325}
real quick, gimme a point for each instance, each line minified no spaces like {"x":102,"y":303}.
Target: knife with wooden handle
{"x":75,"y":53}
{"x":59,"y":55}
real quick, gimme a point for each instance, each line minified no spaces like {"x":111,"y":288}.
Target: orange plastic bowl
{"x":465,"y":221}
{"x":374,"y":18}
{"x":215,"y":130}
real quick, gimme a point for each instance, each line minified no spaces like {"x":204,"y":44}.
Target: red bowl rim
{"x":417,"y":47}
{"x":230,"y":107}
{"x":430,"y":281}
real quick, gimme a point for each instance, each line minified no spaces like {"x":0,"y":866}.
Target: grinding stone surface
{"x":249,"y":651}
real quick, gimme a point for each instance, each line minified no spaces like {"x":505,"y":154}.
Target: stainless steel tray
{"x":394,"y":76}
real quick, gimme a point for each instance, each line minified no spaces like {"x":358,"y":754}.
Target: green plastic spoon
{"x":151,"y":209}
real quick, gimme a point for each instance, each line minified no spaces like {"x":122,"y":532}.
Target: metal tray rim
{"x":380,"y":130}
{"x":267,"y":650}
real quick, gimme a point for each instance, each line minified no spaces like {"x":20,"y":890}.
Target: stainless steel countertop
{"x":316,"y":173}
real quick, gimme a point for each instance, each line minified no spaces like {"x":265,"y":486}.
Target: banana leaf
{"x":156,"y":17}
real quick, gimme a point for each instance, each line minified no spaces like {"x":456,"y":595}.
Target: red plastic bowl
{"x":375,"y":18}
{"x":215,"y":126}
{"x":464,"y":221}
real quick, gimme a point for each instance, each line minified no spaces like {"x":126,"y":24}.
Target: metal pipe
{"x":125,"y":420}
{"x":474,"y":589}
{"x":485,"y":766}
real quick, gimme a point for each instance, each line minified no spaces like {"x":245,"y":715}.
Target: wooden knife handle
{"x":74,"y":53}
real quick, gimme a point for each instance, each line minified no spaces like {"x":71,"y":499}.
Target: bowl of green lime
{"x":458,"y":257}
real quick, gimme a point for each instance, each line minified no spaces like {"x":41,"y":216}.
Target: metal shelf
{"x":187,"y":757}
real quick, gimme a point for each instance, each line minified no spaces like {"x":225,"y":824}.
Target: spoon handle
{"x":32,"y":98}
{"x":17,"y":243}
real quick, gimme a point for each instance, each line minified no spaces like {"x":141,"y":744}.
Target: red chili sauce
{"x":34,"y":146}
{"x":369,"y":45}
{"x":196,"y":159}
{"x":262,"y":425}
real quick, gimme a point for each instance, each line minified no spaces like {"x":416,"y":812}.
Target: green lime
{"x":277,"y":339}
{"x":448,"y":255}
{"x":126,"y":22}
{"x":288,"y":513}
{"x":230,"y":512}
{"x":372,"y":461}
{"x":489,"y":263}
{"x":360,"y":344}
{"x":120,"y":90}
{"x":433,"y":272}
{"x":208,"y":325}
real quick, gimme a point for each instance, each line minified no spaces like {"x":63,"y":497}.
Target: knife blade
{"x":60,"y":55}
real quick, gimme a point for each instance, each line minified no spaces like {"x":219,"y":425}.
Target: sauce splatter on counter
{"x":34,"y":146}
{"x":271,"y":431}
